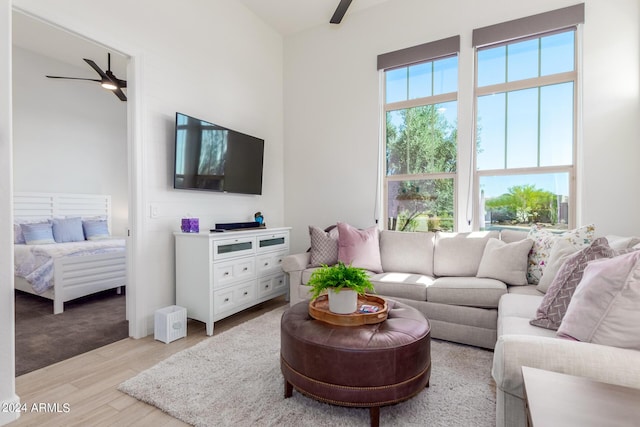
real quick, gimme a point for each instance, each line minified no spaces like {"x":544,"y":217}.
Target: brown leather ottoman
{"x":365,"y":366}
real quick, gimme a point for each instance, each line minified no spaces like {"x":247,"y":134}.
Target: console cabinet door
{"x":272,"y":242}
{"x":230,"y":248}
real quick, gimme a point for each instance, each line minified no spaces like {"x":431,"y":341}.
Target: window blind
{"x":420,"y":53}
{"x":541,"y":23}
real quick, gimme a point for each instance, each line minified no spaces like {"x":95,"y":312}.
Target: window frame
{"x":412,"y":103}
{"x":530,"y":83}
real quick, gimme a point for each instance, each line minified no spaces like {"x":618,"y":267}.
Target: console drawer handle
{"x":226,"y":300}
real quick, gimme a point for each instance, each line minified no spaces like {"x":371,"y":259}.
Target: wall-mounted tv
{"x":213,"y":158}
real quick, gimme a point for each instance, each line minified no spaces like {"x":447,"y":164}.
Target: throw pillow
{"x":359,"y":248}
{"x":38,"y":234}
{"x":560,"y":251}
{"x":618,"y":243}
{"x":18,"y":236}
{"x":324,"y":246}
{"x":505,"y":261}
{"x":543,"y":240}
{"x":95,"y":229}
{"x":604,"y":308}
{"x":67,"y":230}
{"x":555,"y":302}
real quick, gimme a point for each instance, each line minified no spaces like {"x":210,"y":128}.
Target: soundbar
{"x":237,"y":226}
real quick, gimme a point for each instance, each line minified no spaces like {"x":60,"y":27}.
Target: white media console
{"x":219,"y":274}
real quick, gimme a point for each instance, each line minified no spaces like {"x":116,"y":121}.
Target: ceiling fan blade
{"x":340,"y":11}
{"x":73,"y":78}
{"x":120,"y":94}
{"x":96,"y":68}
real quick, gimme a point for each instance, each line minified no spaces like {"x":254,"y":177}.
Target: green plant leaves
{"x":338,"y":277}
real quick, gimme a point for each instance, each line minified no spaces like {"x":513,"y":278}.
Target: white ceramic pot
{"x":343,"y":302}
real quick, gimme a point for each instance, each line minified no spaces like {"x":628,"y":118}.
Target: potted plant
{"x":343,"y":283}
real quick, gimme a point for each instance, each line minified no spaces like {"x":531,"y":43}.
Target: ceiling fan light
{"x":108,"y":84}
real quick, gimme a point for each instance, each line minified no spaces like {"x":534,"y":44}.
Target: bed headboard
{"x":32,"y":206}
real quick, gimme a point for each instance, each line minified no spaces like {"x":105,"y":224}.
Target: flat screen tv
{"x":213,"y":158}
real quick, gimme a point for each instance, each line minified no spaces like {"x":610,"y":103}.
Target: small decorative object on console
{"x":259,"y":218}
{"x":190,"y":225}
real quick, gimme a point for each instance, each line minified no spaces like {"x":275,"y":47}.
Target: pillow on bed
{"x":38,"y":234}
{"x":95,"y":229}
{"x":18,"y":236}
{"x":67,"y":230}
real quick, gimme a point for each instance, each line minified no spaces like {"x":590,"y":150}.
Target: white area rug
{"x":234,"y":379}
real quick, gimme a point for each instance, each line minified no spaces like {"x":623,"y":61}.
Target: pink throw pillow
{"x":604,"y":307}
{"x":360,"y":248}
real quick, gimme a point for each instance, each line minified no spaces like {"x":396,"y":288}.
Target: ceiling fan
{"x":340,"y":11}
{"x":107,"y":80}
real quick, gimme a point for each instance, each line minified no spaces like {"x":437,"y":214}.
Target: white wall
{"x":68,"y":136}
{"x":332,"y":113}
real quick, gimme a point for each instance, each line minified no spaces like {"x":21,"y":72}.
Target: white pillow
{"x":505,"y":261}
{"x":619,"y":243}
{"x":560,"y":251}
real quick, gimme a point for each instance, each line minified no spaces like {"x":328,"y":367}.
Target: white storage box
{"x":170,"y":323}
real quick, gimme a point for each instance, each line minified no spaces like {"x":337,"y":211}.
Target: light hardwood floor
{"x":87,"y":383}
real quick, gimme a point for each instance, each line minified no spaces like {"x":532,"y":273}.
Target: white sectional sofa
{"x":436,"y":273}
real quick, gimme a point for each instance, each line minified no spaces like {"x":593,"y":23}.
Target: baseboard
{"x":9,"y":410}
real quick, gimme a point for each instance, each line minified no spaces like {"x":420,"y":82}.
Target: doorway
{"x":39,"y":134}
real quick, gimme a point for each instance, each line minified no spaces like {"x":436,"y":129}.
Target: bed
{"x":65,"y":271}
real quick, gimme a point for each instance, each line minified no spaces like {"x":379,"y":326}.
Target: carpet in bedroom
{"x":87,"y":323}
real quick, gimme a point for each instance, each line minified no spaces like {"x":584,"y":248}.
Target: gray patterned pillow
{"x":555,"y":302}
{"x":324,"y":246}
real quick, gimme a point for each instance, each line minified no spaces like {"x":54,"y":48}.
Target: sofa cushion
{"x":359,"y":248}
{"x":324,"y":246}
{"x":520,"y":326}
{"x":519,"y":305}
{"x":402,"y":285}
{"x":409,"y":252}
{"x":510,"y":236}
{"x":543,"y":241}
{"x":555,"y":302}
{"x":604,"y":308}
{"x":459,"y":254}
{"x":467,"y":291}
{"x":524,"y":290}
{"x":515,"y":312}
{"x":506,"y":262}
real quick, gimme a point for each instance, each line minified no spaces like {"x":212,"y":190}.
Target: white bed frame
{"x":74,"y":277}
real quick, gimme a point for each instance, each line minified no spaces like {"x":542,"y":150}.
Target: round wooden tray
{"x":319,"y":310}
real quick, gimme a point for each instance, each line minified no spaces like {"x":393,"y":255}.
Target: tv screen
{"x":213,"y":158}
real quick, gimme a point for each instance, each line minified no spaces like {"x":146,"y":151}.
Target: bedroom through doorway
{"x":69,"y":137}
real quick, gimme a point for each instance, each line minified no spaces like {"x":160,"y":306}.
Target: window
{"x":420,"y":143}
{"x":525,"y":131}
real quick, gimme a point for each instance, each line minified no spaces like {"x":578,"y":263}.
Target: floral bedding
{"x":35,"y":262}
